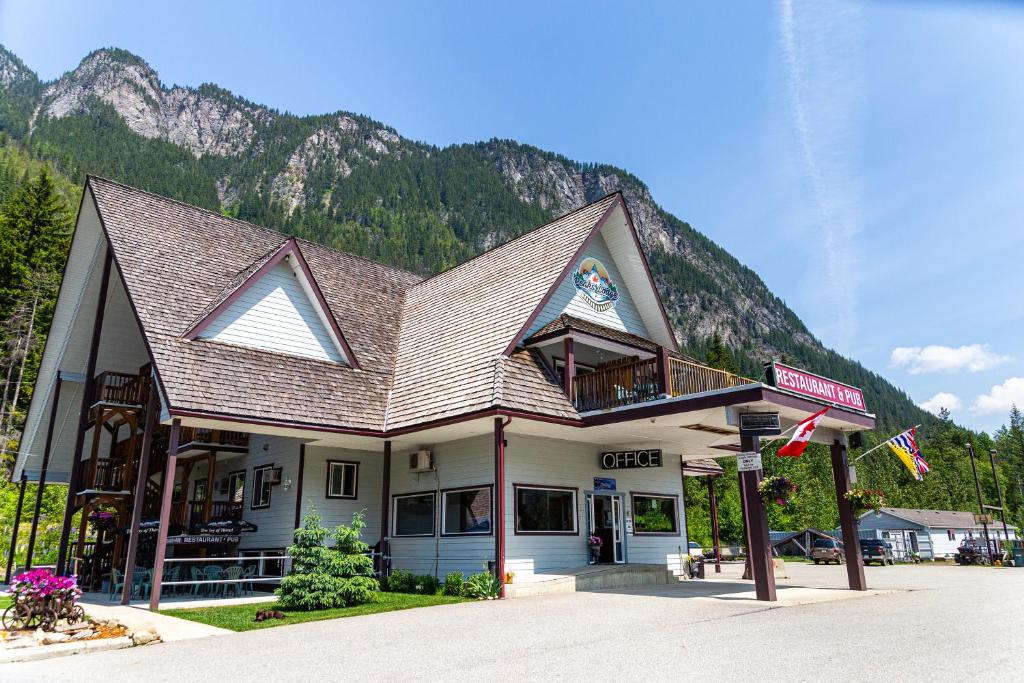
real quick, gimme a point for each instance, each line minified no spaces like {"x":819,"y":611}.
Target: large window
{"x":466,"y":511}
{"x":654,"y":514}
{"x":342,"y":478}
{"x":545,"y":510}
{"x":414,"y":515}
{"x":261,"y":486}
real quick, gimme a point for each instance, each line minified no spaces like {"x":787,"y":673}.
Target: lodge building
{"x":211,"y":381}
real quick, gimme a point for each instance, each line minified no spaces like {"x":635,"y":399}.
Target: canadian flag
{"x":802,"y":435}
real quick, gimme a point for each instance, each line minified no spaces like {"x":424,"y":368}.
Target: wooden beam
{"x":385,"y":511}
{"x":42,"y":473}
{"x":851,"y":539}
{"x":152,"y":415}
{"x":569,"y":369}
{"x":165,"y":515}
{"x":298,"y":485}
{"x":759,"y":550}
{"x":14,"y":532}
{"x":83,"y":417}
{"x":498,"y":520}
{"x":208,"y":502}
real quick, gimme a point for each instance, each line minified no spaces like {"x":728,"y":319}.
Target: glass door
{"x":605,"y":520}
{"x":619,"y":555}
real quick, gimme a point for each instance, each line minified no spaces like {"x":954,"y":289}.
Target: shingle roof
{"x":178,"y":260}
{"x":455,"y":325}
{"x":941,"y":519}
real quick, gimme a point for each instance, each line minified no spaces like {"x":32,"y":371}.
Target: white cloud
{"x":1001,"y":397}
{"x":941,"y":400}
{"x":934,"y":358}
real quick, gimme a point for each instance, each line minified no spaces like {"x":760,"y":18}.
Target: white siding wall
{"x":277,"y":522}
{"x":468,"y":462}
{"x":623,"y":316}
{"x":276,"y":314}
{"x":530,"y":460}
{"x":337,"y":511}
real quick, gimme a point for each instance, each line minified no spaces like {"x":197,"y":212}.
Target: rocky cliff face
{"x":204,"y":121}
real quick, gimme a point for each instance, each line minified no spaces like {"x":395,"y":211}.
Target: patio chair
{"x":143,"y":582}
{"x":248,"y":574}
{"x":234,"y":574}
{"x":116,"y":583}
{"x":171,"y":574}
{"x":213,"y":573}
{"x":197,"y":575}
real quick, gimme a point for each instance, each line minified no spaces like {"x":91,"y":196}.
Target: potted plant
{"x":594,"y":543}
{"x":102,"y":519}
{"x":40,"y":599}
{"x":776,"y":488}
{"x":865,"y":499}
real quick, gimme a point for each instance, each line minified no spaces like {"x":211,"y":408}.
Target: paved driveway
{"x":940,"y":623}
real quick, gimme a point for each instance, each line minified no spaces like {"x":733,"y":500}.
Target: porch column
{"x":42,"y":473}
{"x":664,"y":375}
{"x":713,"y":504}
{"x":298,"y":486}
{"x":570,"y":367}
{"x":138,"y":502}
{"x":759,"y":548}
{"x":385,"y":512}
{"x":498,"y":524}
{"x":851,"y":540}
{"x":83,"y":416}
{"x":165,"y":514}
{"x":14,"y":532}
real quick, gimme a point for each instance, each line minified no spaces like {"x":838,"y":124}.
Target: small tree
{"x":322,"y":577}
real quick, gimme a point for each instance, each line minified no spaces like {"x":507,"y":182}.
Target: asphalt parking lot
{"x":933,"y":622}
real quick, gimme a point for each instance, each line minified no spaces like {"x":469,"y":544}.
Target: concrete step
{"x":590,"y":578}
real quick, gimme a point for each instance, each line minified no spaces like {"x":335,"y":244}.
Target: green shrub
{"x":483,"y":586}
{"x":454,"y":584}
{"x":425,"y":584}
{"x":400,"y":581}
{"x":323,"y":578}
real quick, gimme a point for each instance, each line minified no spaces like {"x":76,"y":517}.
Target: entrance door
{"x":605,"y":517}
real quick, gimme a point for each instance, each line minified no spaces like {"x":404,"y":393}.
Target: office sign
{"x":760,"y":424}
{"x":817,"y":387}
{"x":624,"y":460}
{"x":748,"y":461}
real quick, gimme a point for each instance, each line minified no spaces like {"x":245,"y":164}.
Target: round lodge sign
{"x":594,"y":285}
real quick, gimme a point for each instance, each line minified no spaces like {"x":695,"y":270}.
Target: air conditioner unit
{"x":273,"y":477}
{"x":421,"y":461}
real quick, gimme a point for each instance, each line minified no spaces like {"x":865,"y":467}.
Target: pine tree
{"x":719,"y":357}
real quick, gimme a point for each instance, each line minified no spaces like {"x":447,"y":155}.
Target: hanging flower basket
{"x":776,"y":489}
{"x":865,"y":499}
{"x":102,"y":520}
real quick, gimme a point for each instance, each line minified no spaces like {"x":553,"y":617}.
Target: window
{"x":342,"y":478}
{"x":950,"y":534}
{"x":261,"y":477}
{"x":199,"y":491}
{"x":236,"y":487}
{"x":414,"y":515}
{"x":545,"y":510}
{"x":653,"y":514}
{"x":466,"y":511}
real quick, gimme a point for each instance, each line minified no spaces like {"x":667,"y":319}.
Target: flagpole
{"x":872,"y":450}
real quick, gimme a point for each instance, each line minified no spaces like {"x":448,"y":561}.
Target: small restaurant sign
{"x":760,"y":424}
{"x":594,"y":285}
{"x":817,"y":387}
{"x":623,"y":460}
{"x":202,"y":539}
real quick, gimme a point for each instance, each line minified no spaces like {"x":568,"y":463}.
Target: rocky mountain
{"x":357,"y":184}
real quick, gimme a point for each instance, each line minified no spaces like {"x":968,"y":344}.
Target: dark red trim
{"x":167,"y":494}
{"x":847,"y":520}
{"x":385,"y":511}
{"x":466,"y":534}
{"x":759,"y":548}
{"x":290,"y":247}
{"x":569,"y":370}
{"x":675,"y":518}
{"x":594,"y":231}
{"x":575,"y":509}
{"x":411,"y":494}
{"x":498,"y":502}
{"x":298,"y":489}
{"x":355,"y":489}
{"x":650,"y":277}
{"x":783,"y":398}
{"x":152,"y":418}
{"x":41,"y":484}
{"x":658,"y":409}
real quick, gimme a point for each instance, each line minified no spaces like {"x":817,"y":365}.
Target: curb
{"x":34,"y":654}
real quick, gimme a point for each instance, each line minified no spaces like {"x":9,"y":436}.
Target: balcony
{"x":636,"y":381}
{"x":195,"y":513}
{"x":120,"y":388}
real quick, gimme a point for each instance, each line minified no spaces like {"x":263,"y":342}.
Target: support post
{"x":851,"y":539}
{"x":211,"y":461}
{"x":14,"y":533}
{"x":385,"y":512}
{"x":83,"y":416}
{"x":498,"y":523}
{"x":713,"y":504}
{"x":664,"y":376}
{"x":298,"y":485}
{"x":569,"y":371}
{"x":139,"y":500}
{"x":999,"y":497}
{"x":759,"y":550}
{"x":42,"y":474}
{"x":165,"y":514}
{"x":981,"y":502}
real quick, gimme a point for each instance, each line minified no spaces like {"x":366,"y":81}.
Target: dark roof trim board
{"x":594,"y":232}
{"x":289,"y":248}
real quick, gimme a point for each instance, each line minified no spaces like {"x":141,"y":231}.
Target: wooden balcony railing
{"x":120,"y":388}
{"x":194,"y":512}
{"x":638,"y":381}
{"x":223,"y":437}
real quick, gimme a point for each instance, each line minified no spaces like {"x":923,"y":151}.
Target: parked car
{"x":876,"y":550}
{"x":696,"y":550}
{"x":828,"y":550}
{"x":971,"y":551}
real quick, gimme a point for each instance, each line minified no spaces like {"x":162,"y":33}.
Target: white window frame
{"x":257,"y":485}
{"x":490,"y":513}
{"x":234,"y":476}
{"x":433,"y":515}
{"x":560,"y":489}
{"x":345,"y":466}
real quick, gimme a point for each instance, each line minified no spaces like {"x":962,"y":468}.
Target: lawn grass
{"x":5,"y":600}
{"x":242,"y":617}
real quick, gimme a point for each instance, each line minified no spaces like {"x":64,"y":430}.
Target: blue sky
{"x":866,"y":159}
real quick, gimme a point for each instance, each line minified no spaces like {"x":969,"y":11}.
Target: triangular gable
{"x":276,"y":305}
{"x":614,"y":246}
